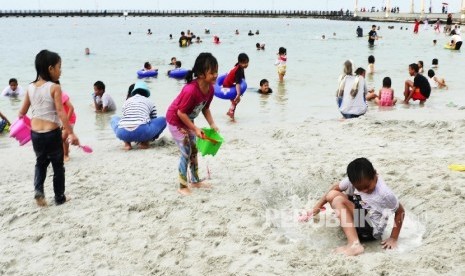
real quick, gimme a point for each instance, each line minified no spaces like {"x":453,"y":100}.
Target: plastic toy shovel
{"x":205,"y":137}
{"x":86,"y":149}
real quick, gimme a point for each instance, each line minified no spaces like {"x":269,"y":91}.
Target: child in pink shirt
{"x":386,"y":94}
{"x":195,"y":97}
{"x":69,"y":111}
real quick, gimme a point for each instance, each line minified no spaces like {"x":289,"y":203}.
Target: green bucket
{"x":207,"y":147}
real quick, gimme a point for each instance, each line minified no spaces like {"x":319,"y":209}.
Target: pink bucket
{"x":21,"y":130}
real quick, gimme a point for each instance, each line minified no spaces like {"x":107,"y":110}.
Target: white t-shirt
{"x":432,"y":83}
{"x":380,"y":204}
{"x":106,"y":101}
{"x":455,"y":38}
{"x":357,"y":105}
{"x":10,"y":93}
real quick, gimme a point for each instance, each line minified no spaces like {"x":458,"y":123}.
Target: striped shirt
{"x":137,"y":110}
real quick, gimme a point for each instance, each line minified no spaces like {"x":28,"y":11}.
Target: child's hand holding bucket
{"x":209,"y":142}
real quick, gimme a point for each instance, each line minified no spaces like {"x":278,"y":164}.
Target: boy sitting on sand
{"x":364,"y":209}
{"x":419,"y":88}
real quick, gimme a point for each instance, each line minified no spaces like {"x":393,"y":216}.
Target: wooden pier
{"x":170,"y":13}
{"x":334,"y":15}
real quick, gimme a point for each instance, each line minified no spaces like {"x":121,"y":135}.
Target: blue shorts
{"x":143,"y":133}
{"x":350,"y":116}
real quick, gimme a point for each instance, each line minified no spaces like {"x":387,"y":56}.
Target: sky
{"x":404,"y":5}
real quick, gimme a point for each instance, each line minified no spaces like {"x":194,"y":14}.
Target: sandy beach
{"x":125,"y":217}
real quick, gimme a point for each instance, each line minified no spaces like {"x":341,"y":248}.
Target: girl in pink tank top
{"x":386,"y":94}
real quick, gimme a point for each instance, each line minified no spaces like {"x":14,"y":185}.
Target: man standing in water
{"x":359,"y":31}
{"x":372,"y":36}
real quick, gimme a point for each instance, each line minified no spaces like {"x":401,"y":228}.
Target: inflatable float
{"x":450,"y":47}
{"x":178,"y":73}
{"x":147,"y":73}
{"x":227,"y":93}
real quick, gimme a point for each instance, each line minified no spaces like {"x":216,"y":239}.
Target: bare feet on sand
{"x":127,"y":146}
{"x":201,"y":185}
{"x":185,"y":191}
{"x":144,"y":145}
{"x":41,"y":202}
{"x":66,"y":158}
{"x":351,"y":250}
{"x":231,"y":115}
{"x":67,"y":198}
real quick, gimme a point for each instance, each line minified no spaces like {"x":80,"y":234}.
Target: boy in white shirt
{"x":364,"y":208}
{"x":13,"y":90}
{"x":102,"y":101}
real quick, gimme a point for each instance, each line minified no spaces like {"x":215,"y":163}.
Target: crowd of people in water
{"x":353,"y":94}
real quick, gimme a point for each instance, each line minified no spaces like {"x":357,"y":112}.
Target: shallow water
{"x":308,"y":91}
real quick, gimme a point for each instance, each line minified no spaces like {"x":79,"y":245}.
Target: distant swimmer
{"x":87,"y":51}
{"x":359,"y":32}
{"x":250,"y":33}
{"x":260,"y":46}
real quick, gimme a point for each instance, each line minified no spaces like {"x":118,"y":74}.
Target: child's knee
{"x":331,"y":195}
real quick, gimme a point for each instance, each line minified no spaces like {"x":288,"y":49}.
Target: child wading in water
{"x":281,"y":63}
{"x":195,"y":97}
{"x":386,"y":94}
{"x":234,"y":78}
{"x":364,"y":209}
{"x":45,"y":100}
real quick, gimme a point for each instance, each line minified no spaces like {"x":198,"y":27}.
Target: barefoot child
{"x":69,"y":111}
{"x":386,"y":94}
{"x":364,"y":209}
{"x":44,"y":98}
{"x":195,"y":97}
{"x":234,"y":78}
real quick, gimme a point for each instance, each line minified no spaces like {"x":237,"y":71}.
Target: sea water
{"x":309,"y":86}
